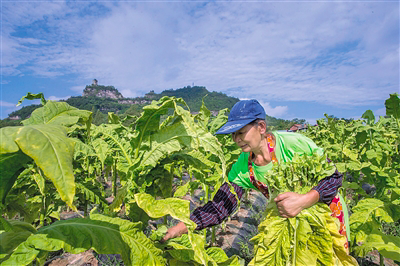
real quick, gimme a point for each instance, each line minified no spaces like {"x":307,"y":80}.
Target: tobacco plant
{"x":138,"y":157}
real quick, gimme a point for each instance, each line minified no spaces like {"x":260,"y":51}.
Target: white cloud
{"x":129,"y":93}
{"x":55,"y":98}
{"x":278,"y":111}
{"x":79,"y":88}
{"x":380,"y":112}
{"x":338,"y":54}
{"x":7,"y":108}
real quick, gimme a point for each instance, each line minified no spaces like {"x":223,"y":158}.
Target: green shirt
{"x":287,"y":145}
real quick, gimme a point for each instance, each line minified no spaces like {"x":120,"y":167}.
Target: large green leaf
{"x":102,"y":150}
{"x":204,"y":115}
{"x":388,"y":246}
{"x":368,"y":209}
{"x":149,"y":122}
{"x":11,"y":165}
{"x":168,"y":140}
{"x":103,"y":234}
{"x":117,"y":138}
{"x":7,"y":137}
{"x":9,"y":240}
{"x":393,"y":105}
{"x":219,"y":256}
{"x":113,"y":118}
{"x":57,"y":113}
{"x":218,"y":121}
{"x":203,"y":139}
{"x":369,"y":116}
{"x":52,"y":151}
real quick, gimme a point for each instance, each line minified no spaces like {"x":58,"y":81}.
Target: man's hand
{"x":175,"y":231}
{"x":289,"y":204}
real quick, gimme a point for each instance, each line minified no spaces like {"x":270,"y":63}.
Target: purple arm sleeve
{"x":328,"y":187}
{"x":216,"y":211}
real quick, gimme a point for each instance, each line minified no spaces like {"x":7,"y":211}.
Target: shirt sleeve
{"x":216,"y":211}
{"x":328,"y":187}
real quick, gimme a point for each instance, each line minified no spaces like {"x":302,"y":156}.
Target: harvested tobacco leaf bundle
{"x":310,"y":238}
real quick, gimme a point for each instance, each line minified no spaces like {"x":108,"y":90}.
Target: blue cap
{"x":242,"y":113}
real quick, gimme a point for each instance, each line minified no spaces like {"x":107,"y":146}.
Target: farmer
{"x":260,"y":149}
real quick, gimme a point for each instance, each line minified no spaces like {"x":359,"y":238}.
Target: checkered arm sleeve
{"x":328,"y":187}
{"x":216,"y":211}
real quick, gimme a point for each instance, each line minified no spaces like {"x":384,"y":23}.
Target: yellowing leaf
{"x":177,"y":208}
{"x":52,"y":151}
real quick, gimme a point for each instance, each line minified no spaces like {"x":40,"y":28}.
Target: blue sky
{"x":300,"y":59}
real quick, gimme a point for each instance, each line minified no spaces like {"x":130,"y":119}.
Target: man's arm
{"x":216,"y":211}
{"x":289,"y":204}
{"x":212,"y":213}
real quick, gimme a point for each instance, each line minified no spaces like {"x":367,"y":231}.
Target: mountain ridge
{"x":102,"y":99}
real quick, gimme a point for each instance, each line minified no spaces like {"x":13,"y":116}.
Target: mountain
{"x":102,"y":91}
{"x":102,"y":99}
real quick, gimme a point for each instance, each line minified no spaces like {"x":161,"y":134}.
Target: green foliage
{"x":393,"y":106}
{"x":144,"y":154}
{"x":93,"y":103}
{"x":365,"y":222}
{"x":193,"y":96}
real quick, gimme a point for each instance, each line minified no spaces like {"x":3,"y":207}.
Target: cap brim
{"x":233,"y":126}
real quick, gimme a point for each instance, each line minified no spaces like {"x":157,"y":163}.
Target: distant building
{"x":150,"y":95}
{"x":94,"y":82}
{"x":297,"y":127}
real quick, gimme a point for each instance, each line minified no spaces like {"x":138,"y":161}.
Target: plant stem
{"x":206,"y":188}
{"x":205,"y":200}
{"x":115,"y":178}
{"x":86,"y":208}
{"x":294,"y":254}
{"x":43,"y":212}
{"x":381,"y":260}
{"x":213,"y":235}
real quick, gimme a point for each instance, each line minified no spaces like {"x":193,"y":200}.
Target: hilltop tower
{"x":94,"y":82}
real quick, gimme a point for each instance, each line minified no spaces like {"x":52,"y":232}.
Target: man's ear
{"x":262,"y":127}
